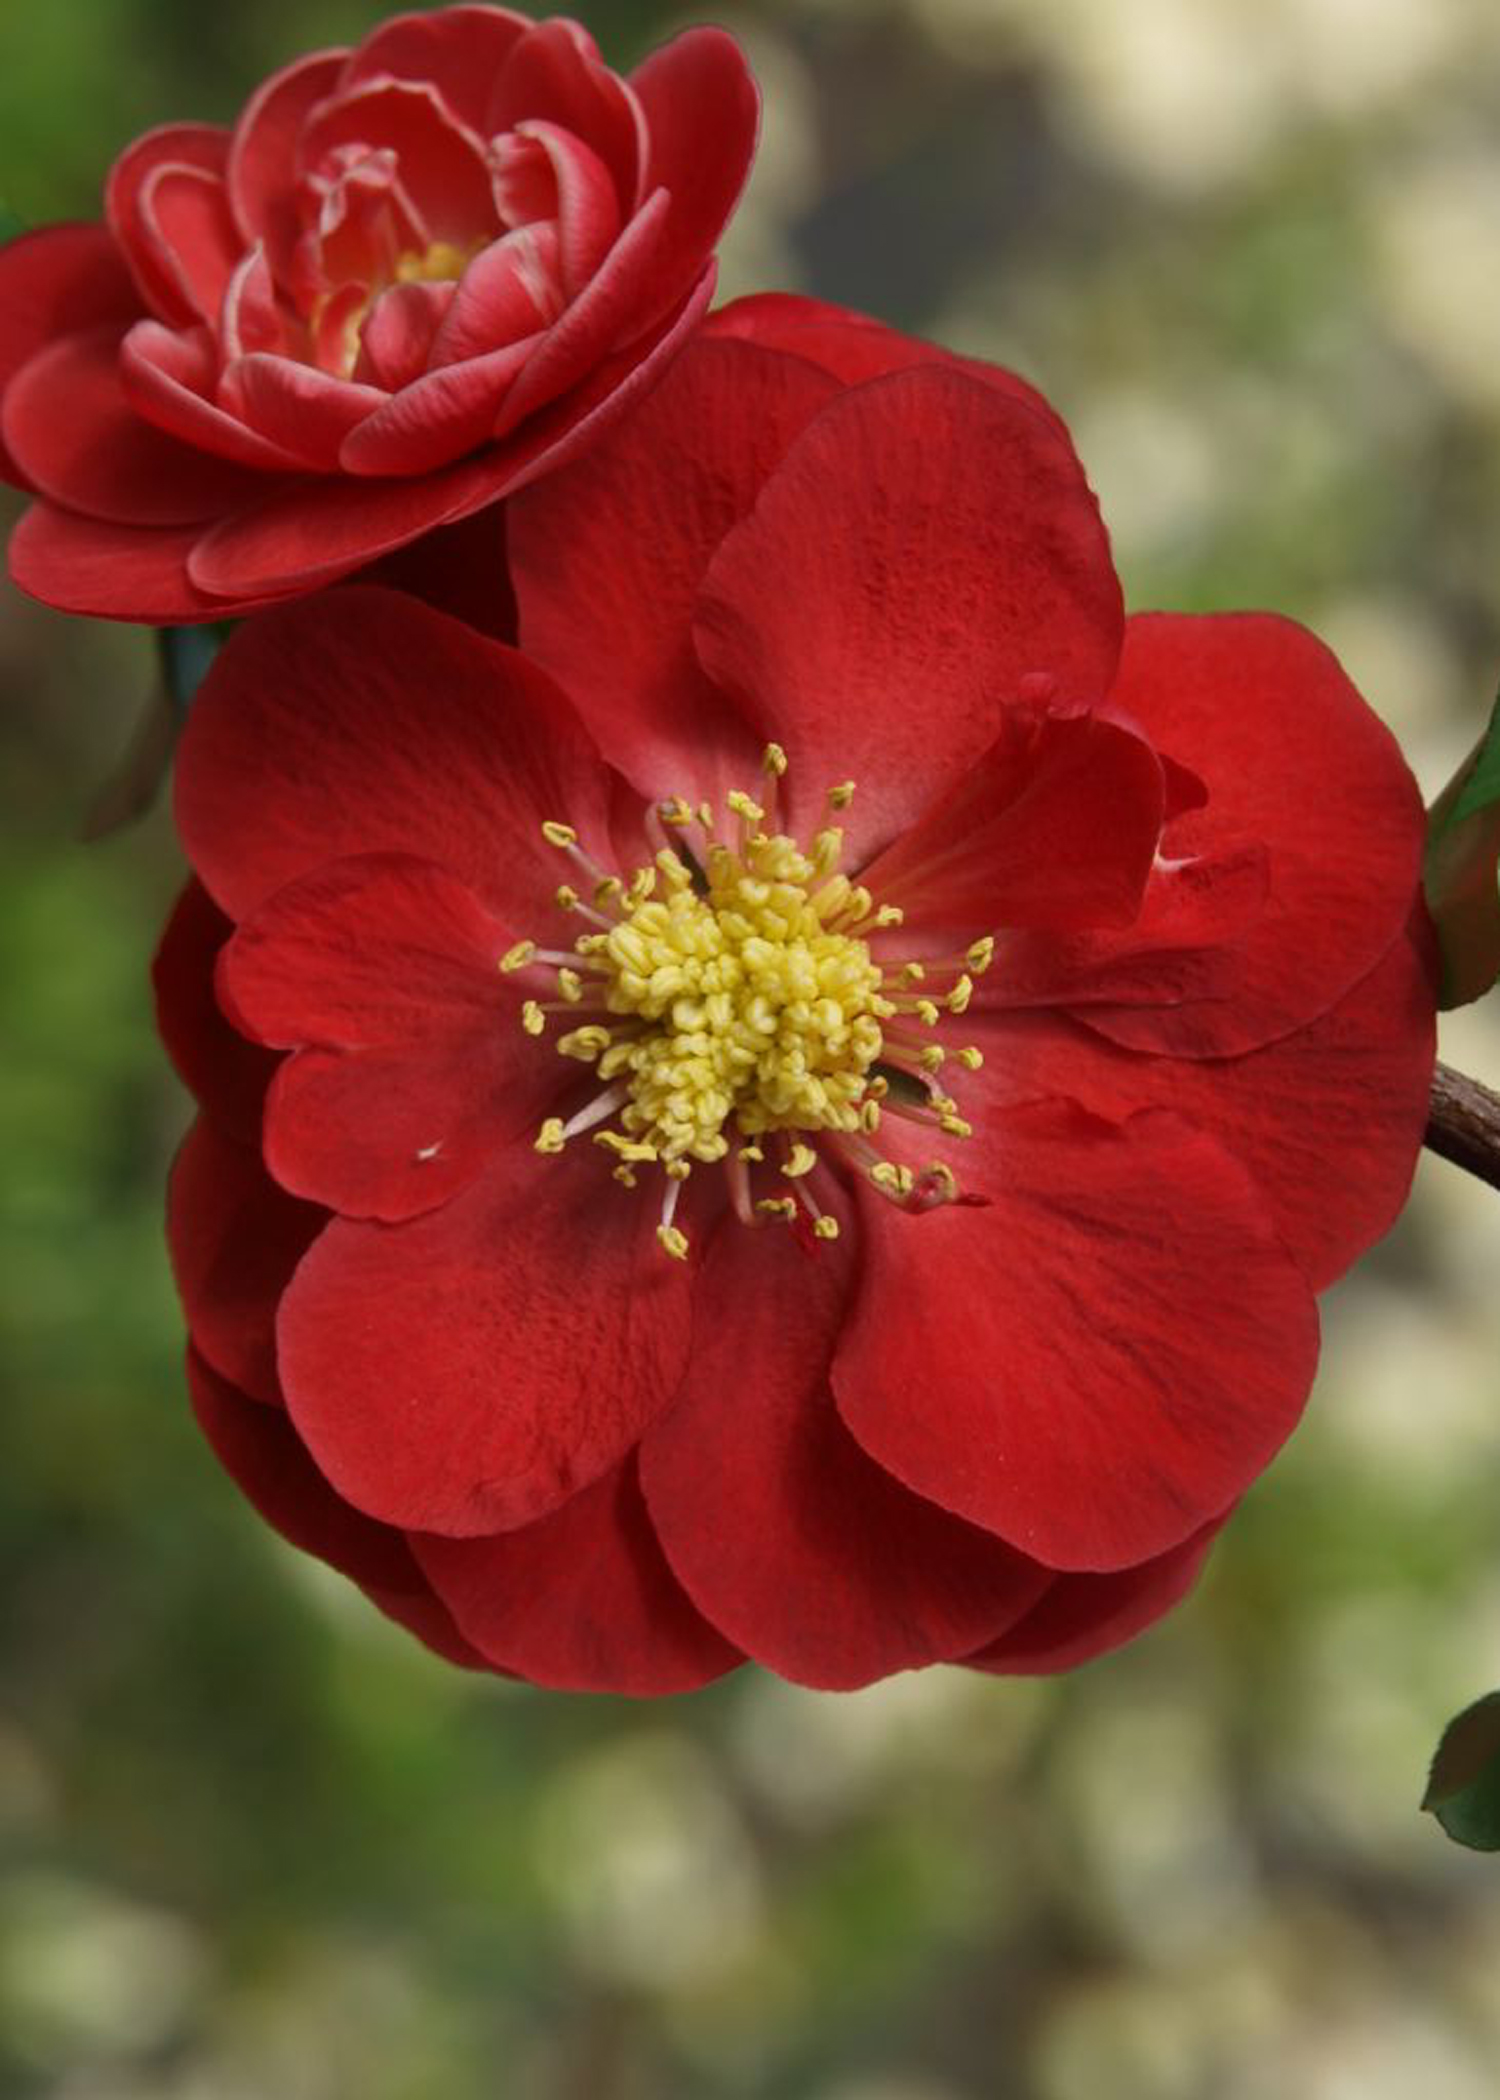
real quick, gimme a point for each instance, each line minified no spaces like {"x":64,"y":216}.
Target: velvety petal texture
{"x":779,"y":1087}
{"x":412,"y":277}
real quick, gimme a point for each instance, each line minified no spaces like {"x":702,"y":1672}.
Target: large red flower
{"x":806,"y":1111}
{"x":413,"y":277}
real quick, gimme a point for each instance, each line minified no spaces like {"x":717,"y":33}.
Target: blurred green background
{"x":258,"y":1846}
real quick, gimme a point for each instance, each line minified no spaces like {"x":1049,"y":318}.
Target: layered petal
{"x":226,"y":1074}
{"x":61,"y":281}
{"x":116,"y":572}
{"x":607,"y":556}
{"x":702,"y":112}
{"x":1099,"y":1361}
{"x":412,"y":1067}
{"x":280,"y":769}
{"x":460,"y":50}
{"x":235,"y":1238}
{"x":1082,"y":1616}
{"x":1294,"y":758}
{"x":786,"y":1535}
{"x":927,"y":552}
{"x":580,"y":1601}
{"x":1328,"y":1120}
{"x":554,"y":74}
{"x":181,"y":151}
{"x":470,"y":1371}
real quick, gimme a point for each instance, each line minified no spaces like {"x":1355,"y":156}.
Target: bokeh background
{"x":258,"y":1846}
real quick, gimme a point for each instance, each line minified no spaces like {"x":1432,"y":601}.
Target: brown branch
{"x":1463,"y":1124}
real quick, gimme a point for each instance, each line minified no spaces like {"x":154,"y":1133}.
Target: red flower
{"x":911,"y":1253}
{"x":412,"y":278}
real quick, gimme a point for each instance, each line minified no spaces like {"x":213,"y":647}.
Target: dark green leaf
{"x":11,"y":223}
{"x":1462,"y":871}
{"x":186,"y":653}
{"x":1463,"y":1788}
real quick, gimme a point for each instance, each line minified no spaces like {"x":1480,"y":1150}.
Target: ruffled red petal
{"x":582,"y":1601}
{"x":554,"y":73}
{"x":364,"y":722}
{"x":702,"y":111}
{"x":1099,"y":1361}
{"x":442,"y":162}
{"x":200,"y":148}
{"x":227,"y":1075}
{"x":791,"y":1540}
{"x":63,"y":280}
{"x":925,"y":546}
{"x":607,"y":556}
{"x":117,"y":572}
{"x":1082,"y":1616}
{"x":470,"y":1371}
{"x":1295,"y":758}
{"x":1328,"y":1120}
{"x":235,"y":1239}
{"x":265,"y":159}
{"x":167,"y":375}
{"x":438,"y":418}
{"x":460,"y":50}
{"x":412,"y":1067}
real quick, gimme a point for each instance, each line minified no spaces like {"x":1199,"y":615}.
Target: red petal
{"x":114,"y":572}
{"x":783,"y":1532}
{"x":100,"y":457}
{"x":582,"y":1600}
{"x":470,"y":1371}
{"x":1328,"y":1120}
{"x":297,"y":406}
{"x":418,"y":1068}
{"x":853,"y":347}
{"x":184,"y":213}
{"x":364,"y":722}
{"x":555,"y":73}
{"x":1099,"y":1361}
{"x":60,"y":281}
{"x":1055,"y":825}
{"x":420,"y":1613}
{"x":265,"y":160}
{"x":167,"y":376}
{"x":587,"y":210}
{"x":438,"y":418}
{"x":461,"y":50}
{"x":442,"y":164}
{"x":227,"y":1075}
{"x":1293,"y":757}
{"x":925,"y":547}
{"x":189,"y":148}
{"x":458,"y":569}
{"x":607,"y":556}
{"x":508,"y":292}
{"x":235,"y":1239}
{"x":397,"y":337}
{"x":262,"y":1453}
{"x":702,"y":111}
{"x":1082,"y":1616}
{"x":623,"y":296}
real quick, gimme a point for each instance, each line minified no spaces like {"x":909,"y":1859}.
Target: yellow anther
{"x":802,"y":1161}
{"x":642,"y":883}
{"x":678,"y":1169}
{"x":751,"y":1152}
{"x":927,"y":1013}
{"x":938,"y":1170}
{"x":533,"y":1020}
{"x":518,"y":957}
{"x":877,"y":1089}
{"x":677,"y":876}
{"x":562,"y":835}
{"x":567,"y":897}
{"x":912,"y":973}
{"x":825,"y":1228}
{"x":957,"y":1001}
{"x":956,"y":1127}
{"x":608,"y":891}
{"x":841,"y":796}
{"x":673,"y":1241}
{"x":678,"y":812}
{"x":773,"y":761}
{"x":570,"y":984}
{"x":742,"y":806}
{"x":889,"y":915}
{"x":970,"y":1057}
{"x":777,"y":1207}
{"x":981,"y":955}
{"x":869,"y":1117}
{"x":550,"y":1137}
{"x":860,"y":903}
{"x":886,"y":1175}
{"x":931,"y":1058}
{"x":623,"y":1147}
{"x":586,"y":1044}
{"x":624,"y":1175}
{"x":591,"y":943}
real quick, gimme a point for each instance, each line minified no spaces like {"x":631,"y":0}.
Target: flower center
{"x":729,"y":999}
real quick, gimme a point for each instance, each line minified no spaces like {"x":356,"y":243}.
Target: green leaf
{"x":183,"y":656}
{"x":11,"y":223}
{"x":186,"y":654}
{"x":1463,"y":1788}
{"x":1461,"y":874}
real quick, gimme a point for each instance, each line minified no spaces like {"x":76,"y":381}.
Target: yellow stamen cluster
{"x":732,"y":1008}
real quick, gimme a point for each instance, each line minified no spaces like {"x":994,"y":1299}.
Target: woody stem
{"x":1463,"y":1124}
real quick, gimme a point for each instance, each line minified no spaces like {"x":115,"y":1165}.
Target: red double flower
{"x":808,"y":1106}
{"x":412,"y":277}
